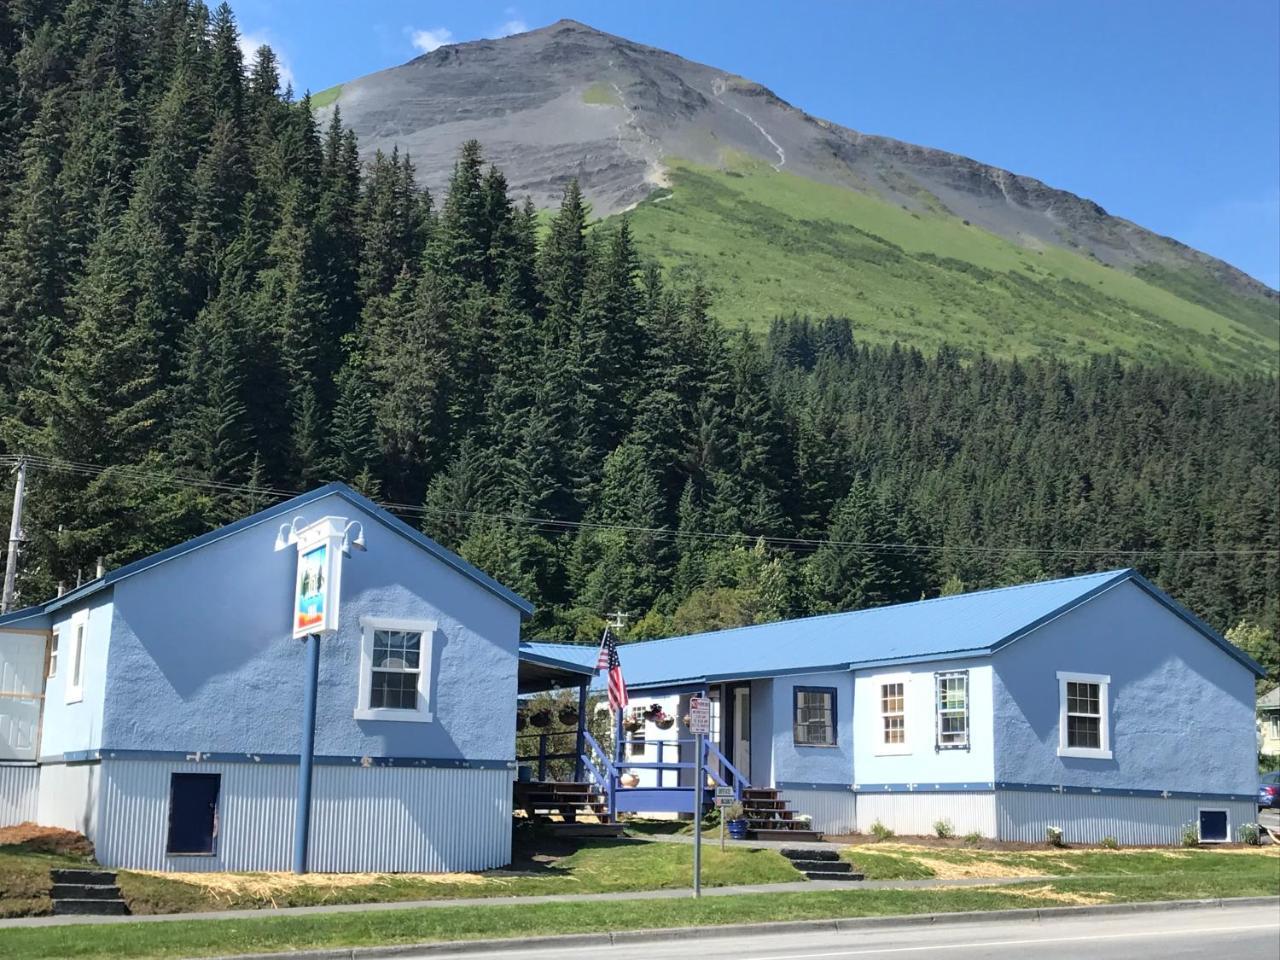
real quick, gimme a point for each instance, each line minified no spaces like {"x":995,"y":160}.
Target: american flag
{"x":608,"y":661}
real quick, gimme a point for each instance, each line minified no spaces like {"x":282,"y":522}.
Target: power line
{"x":556,"y":525}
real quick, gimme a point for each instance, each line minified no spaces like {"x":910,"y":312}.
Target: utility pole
{"x":15,"y":539}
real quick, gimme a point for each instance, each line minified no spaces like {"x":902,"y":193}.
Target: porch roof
{"x":963,"y":625}
{"x":545,"y":669}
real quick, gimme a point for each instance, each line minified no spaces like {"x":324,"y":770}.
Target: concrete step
{"x":98,"y":908}
{"x":84,"y":891}
{"x":831,"y":875}
{"x":785,"y":834}
{"x":828,"y":866}
{"x":797,"y":853}
{"x":584,"y":830}
{"x":77,"y":875}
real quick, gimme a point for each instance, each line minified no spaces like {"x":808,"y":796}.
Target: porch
{"x":638,"y":764}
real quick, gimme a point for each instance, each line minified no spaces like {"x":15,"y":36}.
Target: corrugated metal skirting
{"x":833,"y":811}
{"x":364,"y":818}
{"x":68,"y":797}
{"x":915,"y":813}
{"x":1087,"y":818}
{"x":19,"y":789}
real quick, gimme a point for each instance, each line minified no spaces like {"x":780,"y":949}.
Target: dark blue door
{"x":193,"y":812}
{"x":1213,"y":826}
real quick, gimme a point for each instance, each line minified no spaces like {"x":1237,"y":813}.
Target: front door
{"x":740,"y":742}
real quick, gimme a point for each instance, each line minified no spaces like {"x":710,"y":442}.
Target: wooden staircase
{"x":769,"y":818}
{"x":560,"y":805}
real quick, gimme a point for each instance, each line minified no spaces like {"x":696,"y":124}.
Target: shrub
{"x":733,"y":811}
{"x":1053,"y":836}
{"x":973,"y":838}
{"x":880,"y":831}
{"x":1190,"y":835}
{"x":944,"y":829}
{"x":1250,"y":833}
{"x":1111,"y":843}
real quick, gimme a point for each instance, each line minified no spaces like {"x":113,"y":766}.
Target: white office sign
{"x":700,"y":715}
{"x":724,"y":796}
{"x":319,"y":579}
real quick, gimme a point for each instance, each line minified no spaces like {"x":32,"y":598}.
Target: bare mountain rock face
{"x":570,"y":101}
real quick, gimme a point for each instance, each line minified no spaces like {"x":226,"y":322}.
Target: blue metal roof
{"x":963,"y":625}
{"x":389,"y":521}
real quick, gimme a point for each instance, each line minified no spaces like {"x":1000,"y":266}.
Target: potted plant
{"x":568,"y":715}
{"x":735,"y":820}
{"x":629,"y":779}
{"x":653,"y":711}
{"x":633,"y":724}
{"x":664,"y":721}
{"x":541,"y":717}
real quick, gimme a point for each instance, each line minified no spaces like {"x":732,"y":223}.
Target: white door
{"x":742,"y":731}
{"x":21,"y":686}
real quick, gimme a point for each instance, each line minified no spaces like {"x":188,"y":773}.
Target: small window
{"x":395,"y":670}
{"x":1083,"y":710}
{"x":815,"y":717}
{"x":75,"y":675}
{"x":893,"y":714}
{"x":53,"y":656}
{"x":193,"y":814}
{"x":633,"y":733}
{"x":953,"y":709}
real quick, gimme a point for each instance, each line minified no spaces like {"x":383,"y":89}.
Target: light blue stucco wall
{"x":1181,"y":708}
{"x":922,"y":762}
{"x":796,"y":764}
{"x":70,"y":727}
{"x":202,"y":659}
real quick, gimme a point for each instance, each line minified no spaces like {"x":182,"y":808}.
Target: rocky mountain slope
{"x":630,"y":120}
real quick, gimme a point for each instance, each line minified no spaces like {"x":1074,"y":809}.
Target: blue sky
{"x":1167,"y":113}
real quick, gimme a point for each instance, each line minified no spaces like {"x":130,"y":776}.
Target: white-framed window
{"x":395,"y":670}
{"x":79,"y":628}
{"x":1084,"y":729}
{"x":952,"y":689}
{"x":53,"y":655}
{"x":891,"y":725}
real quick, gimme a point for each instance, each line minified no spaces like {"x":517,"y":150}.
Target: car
{"x":1269,"y":790}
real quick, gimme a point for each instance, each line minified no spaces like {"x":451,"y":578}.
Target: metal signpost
{"x":699,"y":726}
{"x":317,"y":592}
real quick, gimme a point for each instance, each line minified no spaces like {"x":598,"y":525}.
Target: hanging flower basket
{"x":665,"y":722}
{"x":629,"y":780}
{"x":654,"y":712}
{"x":633,"y":724}
{"x":685,"y":720}
{"x":569,"y":716}
{"x":540,"y":717}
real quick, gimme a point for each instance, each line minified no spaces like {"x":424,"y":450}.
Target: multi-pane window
{"x":893,"y":702}
{"x":395,"y":670}
{"x":1082,"y":716}
{"x":396,"y":666}
{"x":953,"y":708}
{"x":75,"y":658}
{"x":815,"y":716}
{"x":53,"y":656}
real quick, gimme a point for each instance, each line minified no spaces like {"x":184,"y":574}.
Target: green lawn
{"x":773,"y":243}
{"x":599,"y":867}
{"x":1080,"y":877}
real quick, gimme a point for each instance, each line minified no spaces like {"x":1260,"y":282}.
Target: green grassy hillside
{"x":771,"y":243}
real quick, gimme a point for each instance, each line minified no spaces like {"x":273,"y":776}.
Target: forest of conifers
{"x":207,"y":302}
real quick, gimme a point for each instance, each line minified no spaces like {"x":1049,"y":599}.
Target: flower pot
{"x":737,"y":829}
{"x":629,"y":780}
{"x":666,"y":723}
{"x":569,"y":716}
{"x":540,"y":718}
{"x":633,"y":725}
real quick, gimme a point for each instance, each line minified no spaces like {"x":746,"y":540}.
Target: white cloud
{"x":249,"y":44}
{"x":508,"y":27}
{"x":428,"y":40}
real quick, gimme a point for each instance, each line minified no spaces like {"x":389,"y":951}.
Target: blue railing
{"x":593,"y":759}
{"x":740,"y":782}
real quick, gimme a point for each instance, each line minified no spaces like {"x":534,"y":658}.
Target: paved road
{"x":1223,"y":933}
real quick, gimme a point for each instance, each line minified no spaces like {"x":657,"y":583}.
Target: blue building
{"x":157,"y":709}
{"x":1095,"y":704}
